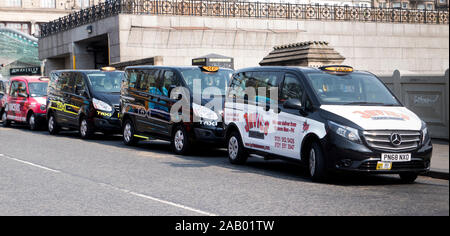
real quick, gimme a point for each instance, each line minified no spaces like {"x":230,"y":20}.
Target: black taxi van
{"x":147,"y":100}
{"x":84,"y":100}
{"x":331,"y":118}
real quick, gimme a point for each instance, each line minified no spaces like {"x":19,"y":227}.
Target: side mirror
{"x":293,"y":104}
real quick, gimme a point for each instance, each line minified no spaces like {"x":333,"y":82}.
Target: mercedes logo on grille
{"x":396,"y":139}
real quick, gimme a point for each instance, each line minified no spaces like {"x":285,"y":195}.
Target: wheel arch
{"x":306,"y":144}
{"x":231,"y":128}
{"x":29,"y":112}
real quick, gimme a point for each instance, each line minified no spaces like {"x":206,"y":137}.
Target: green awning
{"x":17,"y":49}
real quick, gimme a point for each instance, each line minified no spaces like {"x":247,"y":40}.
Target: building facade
{"x":27,"y":15}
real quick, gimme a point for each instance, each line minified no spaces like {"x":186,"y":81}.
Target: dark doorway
{"x":92,"y":53}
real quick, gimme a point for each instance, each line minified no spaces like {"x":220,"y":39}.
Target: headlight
{"x":102,"y":106}
{"x":424,"y":132}
{"x":203,"y":112}
{"x":345,"y":131}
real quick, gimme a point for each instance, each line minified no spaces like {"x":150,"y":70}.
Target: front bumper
{"x":209,"y":134}
{"x":344,"y":155}
{"x":107,"y":124}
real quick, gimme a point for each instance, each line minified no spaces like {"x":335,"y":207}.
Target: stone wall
{"x":426,"y":95}
{"x":377,"y":47}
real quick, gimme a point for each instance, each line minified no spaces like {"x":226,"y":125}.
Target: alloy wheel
{"x":127,"y":132}
{"x":312,"y":162}
{"x":32,"y":122}
{"x":84,"y":128}
{"x":233,"y":148}
{"x":51,"y":123}
{"x":179,"y":140}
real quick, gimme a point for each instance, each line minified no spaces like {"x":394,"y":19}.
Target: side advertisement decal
{"x":277,"y":133}
{"x":67,"y":108}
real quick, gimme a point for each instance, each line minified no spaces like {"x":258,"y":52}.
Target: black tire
{"x":86,"y":129}
{"x":128,"y":133}
{"x":181,"y":145}
{"x":316,"y":163}
{"x":52,"y":125}
{"x":5,"y":121}
{"x":408,"y":178}
{"x":32,"y":122}
{"x":235,"y":149}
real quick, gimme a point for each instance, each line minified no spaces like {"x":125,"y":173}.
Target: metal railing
{"x":217,"y":8}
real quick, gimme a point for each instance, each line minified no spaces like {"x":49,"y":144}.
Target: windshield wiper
{"x":370,"y":104}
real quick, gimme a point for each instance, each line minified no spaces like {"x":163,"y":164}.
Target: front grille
{"x":372,"y":165}
{"x":380,"y":139}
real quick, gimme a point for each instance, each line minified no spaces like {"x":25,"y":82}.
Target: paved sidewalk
{"x":439,"y":160}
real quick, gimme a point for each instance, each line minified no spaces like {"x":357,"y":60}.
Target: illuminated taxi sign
{"x":108,"y":68}
{"x":210,"y":68}
{"x":44,"y":79}
{"x":337,"y":69}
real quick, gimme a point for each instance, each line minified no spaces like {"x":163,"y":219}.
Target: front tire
{"x":408,"y":178}
{"x":316,"y":163}
{"x":128,"y":134}
{"x":86,"y":129}
{"x":236,"y":151}
{"x":5,"y":121}
{"x":52,"y":125}
{"x":181,"y":144}
{"x":32,"y":122}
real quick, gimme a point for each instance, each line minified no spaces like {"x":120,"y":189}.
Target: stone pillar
{"x":396,"y":81}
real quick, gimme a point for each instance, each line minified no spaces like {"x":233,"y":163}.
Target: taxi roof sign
{"x":214,"y":60}
{"x":210,"y":68}
{"x":108,"y":68}
{"x":337,"y":69}
{"x":44,"y":79}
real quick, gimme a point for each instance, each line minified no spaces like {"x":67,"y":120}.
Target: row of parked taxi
{"x":329,"y":119}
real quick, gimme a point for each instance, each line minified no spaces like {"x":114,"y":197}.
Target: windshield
{"x":105,"y":82}
{"x":351,"y":89}
{"x":38,"y":89}
{"x":206,"y":79}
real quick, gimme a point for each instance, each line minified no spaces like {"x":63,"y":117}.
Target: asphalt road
{"x":63,"y":175}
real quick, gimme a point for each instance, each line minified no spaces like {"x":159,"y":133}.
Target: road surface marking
{"x":29,"y":163}
{"x":120,"y":189}
{"x":160,"y":200}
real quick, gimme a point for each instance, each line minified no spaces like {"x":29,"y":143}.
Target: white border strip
{"x":31,"y":164}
